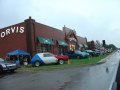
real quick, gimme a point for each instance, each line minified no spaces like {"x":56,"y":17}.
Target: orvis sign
{"x":11,"y":31}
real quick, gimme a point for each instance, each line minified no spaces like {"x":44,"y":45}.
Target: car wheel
{"x":37,"y":64}
{"x":1,"y":69}
{"x":61,"y":61}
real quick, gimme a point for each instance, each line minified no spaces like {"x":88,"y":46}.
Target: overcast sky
{"x":94,"y":19}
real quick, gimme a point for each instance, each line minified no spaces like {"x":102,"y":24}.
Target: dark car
{"x":5,"y":66}
{"x":73,"y":55}
{"x":83,"y":54}
{"x":92,"y":53}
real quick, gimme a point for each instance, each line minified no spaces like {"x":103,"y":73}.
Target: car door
{"x":49,"y":58}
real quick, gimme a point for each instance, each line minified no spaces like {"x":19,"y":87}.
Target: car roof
{"x":44,"y":53}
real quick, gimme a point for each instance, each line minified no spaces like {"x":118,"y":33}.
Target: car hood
{"x":9,"y":64}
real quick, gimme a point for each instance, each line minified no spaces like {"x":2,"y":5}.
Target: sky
{"x":93,"y":19}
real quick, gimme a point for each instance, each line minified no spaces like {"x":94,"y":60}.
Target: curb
{"x":102,"y":61}
{"x":105,"y":59}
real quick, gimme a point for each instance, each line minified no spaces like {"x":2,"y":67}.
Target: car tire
{"x":1,"y":69}
{"x":37,"y":64}
{"x":61,"y":62}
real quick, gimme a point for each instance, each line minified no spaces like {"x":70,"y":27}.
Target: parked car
{"x":93,"y":53}
{"x":62,"y":58}
{"x":83,"y":54}
{"x":48,"y":58}
{"x":90,"y":52}
{"x":7,"y":66}
{"x":43,"y":58}
{"x":73,"y":54}
{"x":97,"y":52}
{"x":86,"y":53}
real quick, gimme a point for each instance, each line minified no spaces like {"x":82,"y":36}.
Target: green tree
{"x":111,"y":46}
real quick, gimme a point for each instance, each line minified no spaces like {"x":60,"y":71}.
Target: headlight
{"x":3,"y":65}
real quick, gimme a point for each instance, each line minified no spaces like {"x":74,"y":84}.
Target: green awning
{"x":80,"y":45}
{"x":85,"y":46}
{"x":45,"y":40}
{"x":62,"y":42}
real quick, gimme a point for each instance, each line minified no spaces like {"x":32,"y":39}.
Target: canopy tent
{"x":80,"y":45}
{"x":19,"y":57}
{"x":85,"y":46}
{"x":17,"y":52}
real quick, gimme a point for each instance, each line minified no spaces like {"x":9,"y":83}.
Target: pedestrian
{"x":25,"y":61}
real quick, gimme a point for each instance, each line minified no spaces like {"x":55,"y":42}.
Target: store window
{"x":72,"y":47}
{"x":44,"y":48}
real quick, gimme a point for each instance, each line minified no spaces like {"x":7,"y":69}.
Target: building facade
{"x":34,"y":37}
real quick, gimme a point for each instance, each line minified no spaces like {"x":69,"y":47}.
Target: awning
{"x":80,"y":45}
{"x":62,"y":42}
{"x":85,"y":46}
{"x":45,"y":40}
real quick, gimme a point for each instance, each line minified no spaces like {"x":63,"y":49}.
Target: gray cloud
{"x":94,"y":19}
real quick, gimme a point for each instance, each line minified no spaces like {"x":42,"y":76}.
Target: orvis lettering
{"x":21,"y":29}
{"x":12,"y":30}
{"x":2,"y":34}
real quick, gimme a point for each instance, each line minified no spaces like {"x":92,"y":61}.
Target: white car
{"x":43,"y":58}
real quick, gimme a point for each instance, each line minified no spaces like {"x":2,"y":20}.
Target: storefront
{"x":62,"y":46}
{"x":82,"y":43}
{"x":71,"y":39}
{"x":34,"y":37}
{"x":45,"y":45}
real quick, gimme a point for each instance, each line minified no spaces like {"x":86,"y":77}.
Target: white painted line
{"x":114,"y":77}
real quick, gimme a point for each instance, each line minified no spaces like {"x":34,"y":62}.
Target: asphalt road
{"x":96,"y":77}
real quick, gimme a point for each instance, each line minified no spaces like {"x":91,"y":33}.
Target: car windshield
{"x":48,"y":55}
{"x":5,"y":61}
{"x":1,"y":60}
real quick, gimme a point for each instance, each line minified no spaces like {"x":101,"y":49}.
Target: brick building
{"x":34,"y":37}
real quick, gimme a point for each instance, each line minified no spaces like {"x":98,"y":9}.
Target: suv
{"x":5,"y":66}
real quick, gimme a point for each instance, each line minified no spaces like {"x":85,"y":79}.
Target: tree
{"x":110,"y":46}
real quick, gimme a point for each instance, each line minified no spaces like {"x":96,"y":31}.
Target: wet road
{"x":97,"y":77}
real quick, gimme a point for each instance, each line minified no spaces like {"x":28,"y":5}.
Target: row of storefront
{"x":34,"y":37}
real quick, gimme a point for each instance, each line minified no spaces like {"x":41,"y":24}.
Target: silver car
{"x":7,"y":66}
